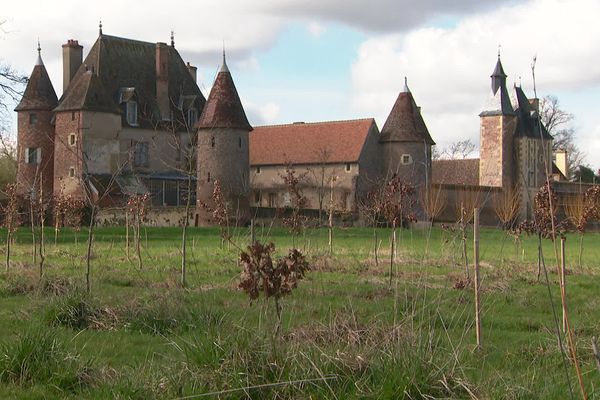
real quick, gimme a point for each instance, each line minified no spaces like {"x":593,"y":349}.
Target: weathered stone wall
{"x":35,"y":135}
{"x":156,"y":216}
{"x":269,"y":190}
{"x":481,"y":196}
{"x":223,"y":155}
{"x":496,"y":166}
{"x":68,"y":155}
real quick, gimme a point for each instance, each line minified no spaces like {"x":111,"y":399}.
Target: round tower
{"x":223,"y":151}
{"x":406,"y":144}
{"x":35,"y":137}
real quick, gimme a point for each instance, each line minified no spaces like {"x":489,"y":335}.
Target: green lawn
{"x":346,"y":333}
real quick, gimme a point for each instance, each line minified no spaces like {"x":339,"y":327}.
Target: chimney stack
{"x":192,"y":70}
{"x":535,"y":104}
{"x":72,"y":59}
{"x":562,"y":162}
{"x":162,"y":81}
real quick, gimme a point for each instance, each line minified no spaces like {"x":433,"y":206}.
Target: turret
{"x":36,"y":134}
{"x":223,"y":151}
{"x":498,"y":124}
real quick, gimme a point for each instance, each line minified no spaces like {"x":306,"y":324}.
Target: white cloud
{"x":316,"y":29}
{"x":261,"y":114}
{"x":448,"y":69}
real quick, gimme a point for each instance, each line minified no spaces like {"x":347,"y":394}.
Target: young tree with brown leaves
{"x":396,"y":207}
{"x":11,"y":217}
{"x":137,"y":206}
{"x":273,"y":278}
{"x":295,"y":222}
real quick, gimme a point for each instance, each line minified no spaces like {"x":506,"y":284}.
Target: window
{"x":72,"y":115}
{"x":257,"y":197}
{"x":72,"y":139}
{"x":33,"y":119}
{"x":272,"y":199}
{"x":240,"y":142}
{"x":208,"y":177}
{"x":345,"y":197}
{"x":140,"y":154}
{"x":33,"y":155}
{"x":348,"y":167}
{"x":212,"y":141}
{"x":192,"y":117}
{"x":406,"y":159}
{"x":132,"y":113}
{"x":258,"y":170}
{"x":72,"y":172}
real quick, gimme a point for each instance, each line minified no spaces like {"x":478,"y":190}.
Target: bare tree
{"x":558,"y":123}
{"x":320,"y":177}
{"x":459,"y":150}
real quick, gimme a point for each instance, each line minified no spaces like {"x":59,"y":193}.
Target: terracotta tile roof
{"x":223,"y":108}
{"x":405,"y":123}
{"x":39,"y":93}
{"x":309,"y":143}
{"x":87,"y":93}
{"x":127,"y":63}
{"x":456,"y":172}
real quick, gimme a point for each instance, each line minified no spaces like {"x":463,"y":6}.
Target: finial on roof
{"x":172,"y":38}
{"x":405,"y":89}
{"x":499,"y":46}
{"x":520,"y":83}
{"x":100,"y":28}
{"x":39,"y":50}
{"x":224,"y":67}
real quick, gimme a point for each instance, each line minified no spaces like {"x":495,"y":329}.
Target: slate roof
{"x":456,"y":172}
{"x":528,"y":124}
{"x":498,"y":102}
{"x":126,"y":63}
{"x":309,"y":143}
{"x":223,"y":108}
{"x":405,"y":123}
{"x":87,"y":93}
{"x":39,"y":93}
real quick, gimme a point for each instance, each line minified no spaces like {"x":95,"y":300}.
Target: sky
{"x":317,"y":60}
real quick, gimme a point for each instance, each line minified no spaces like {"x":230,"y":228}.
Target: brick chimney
{"x":72,"y":59}
{"x":192,"y":70}
{"x":162,"y":81}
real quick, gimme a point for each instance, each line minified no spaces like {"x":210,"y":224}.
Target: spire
{"x":223,"y":109}
{"x":172,"y":38}
{"x":39,"y":93}
{"x":405,"y":89}
{"x":498,"y":76}
{"x":100,"y":28}
{"x":224,"y":67}
{"x":405,"y":122}
{"x":39,"y":57}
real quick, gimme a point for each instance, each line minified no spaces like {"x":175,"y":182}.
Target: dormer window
{"x":131,"y":111}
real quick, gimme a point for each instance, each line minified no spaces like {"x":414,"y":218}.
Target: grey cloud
{"x":380,"y":15}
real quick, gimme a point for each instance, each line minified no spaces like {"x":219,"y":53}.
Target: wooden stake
{"x":252,"y":231}
{"x":477,"y":281}
{"x":563,"y":283}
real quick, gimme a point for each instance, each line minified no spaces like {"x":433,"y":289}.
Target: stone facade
{"x":496,"y":151}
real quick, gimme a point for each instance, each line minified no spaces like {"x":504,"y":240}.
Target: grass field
{"x":346,"y":333}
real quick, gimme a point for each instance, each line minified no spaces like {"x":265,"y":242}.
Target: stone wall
{"x":157,"y":216}
{"x":35,"y":132}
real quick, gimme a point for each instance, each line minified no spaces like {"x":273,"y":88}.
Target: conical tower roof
{"x":498,"y":102}
{"x":87,"y":93}
{"x":405,"y":123}
{"x":223,"y":109}
{"x":39,"y":93}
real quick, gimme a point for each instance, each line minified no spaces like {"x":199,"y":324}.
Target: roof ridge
{"x":127,"y":39}
{"x":316,"y":122}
